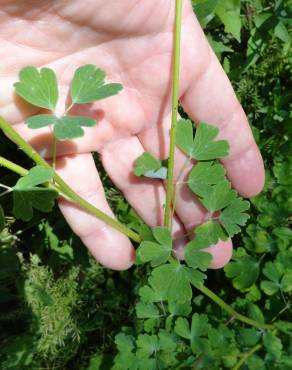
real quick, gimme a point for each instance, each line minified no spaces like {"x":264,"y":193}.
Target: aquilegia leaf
{"x":39,"y":88}
{"x":65,"y":127}
{"x":28,"y":196}
{"x":88,"y":85}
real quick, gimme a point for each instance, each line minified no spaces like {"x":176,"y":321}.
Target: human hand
{"x":132,"y":41}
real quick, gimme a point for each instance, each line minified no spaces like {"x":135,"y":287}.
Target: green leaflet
{"x":244,"y":270}
{"x":173,"y":281}
{"x":203,"y":146}
{"x":39,"y":88}
{"x":148,"y":166}
{"x":28,"y":196}
{"x":65,"y":128}
{"x":88,"y":85}
{"x":156,"y":253}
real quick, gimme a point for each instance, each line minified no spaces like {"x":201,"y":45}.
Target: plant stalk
{"x":246,"y":356}
{"x":175,"y":97}
{"x":63,"y":186}
{"x":231,"y":311}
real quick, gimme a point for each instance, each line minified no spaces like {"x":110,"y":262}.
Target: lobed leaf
{"x":38,"y":88}
{"x":27,"y":196}
{"x":148,"y":166}
{"x":88,"y":85}
{"x":65,"y":127}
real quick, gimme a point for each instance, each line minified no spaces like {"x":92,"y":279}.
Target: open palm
{"x":132,"y":41}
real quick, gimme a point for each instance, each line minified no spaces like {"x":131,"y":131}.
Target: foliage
{"x":59,"y":309}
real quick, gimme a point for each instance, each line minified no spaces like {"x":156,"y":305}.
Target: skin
{"x":132,"y":40}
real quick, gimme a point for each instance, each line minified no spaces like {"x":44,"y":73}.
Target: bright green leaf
{"x":182,"y":328}
{"x":88,"y":85}
{"x":146,"y":311}
{"x":273,"y":345}
{"x":38,"y":88}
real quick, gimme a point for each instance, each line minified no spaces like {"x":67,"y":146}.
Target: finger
{"x":108,"y":246}
{"x":146,"y":196}
{"x":210,"y":98}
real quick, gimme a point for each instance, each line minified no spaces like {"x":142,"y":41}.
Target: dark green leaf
{"x":88,"y":85}
{"x":234,"y":215}
{"x":27,"y":196}
{"x":244,"y":271}
{"x":38,"y":88}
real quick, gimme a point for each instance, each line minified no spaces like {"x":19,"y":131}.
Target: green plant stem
{"x":63,"y":187}
{"x":13,"y":166}
{"x":246,"y":356}
{"x":231,"y":311}
{"x":175,"y":97}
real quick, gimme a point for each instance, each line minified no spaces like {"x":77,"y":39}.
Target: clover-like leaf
{"x":203,"y":176}
{"x":28,"y":196}
{"x":220,"y":196}
{"x":203,"y":147}
{"x":65,"y":127}
{"x":88,"y":85}
{"x":39,"y":88}
{"x":206,"y":234}
{"x":244,"y":271}
{"x":234,"y":215}
{"x":148,"y":166}
{"x":156,"y":253}
{"x":173,"y":281}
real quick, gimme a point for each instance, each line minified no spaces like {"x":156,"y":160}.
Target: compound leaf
{"x":36,"y":176}
{"x":88,"y":85}
{"x":234,"y":215}
{"x":39,"y":88}
{"x":148,"y":166}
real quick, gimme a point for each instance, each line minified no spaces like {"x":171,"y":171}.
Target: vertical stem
{"x":175,"y":97}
